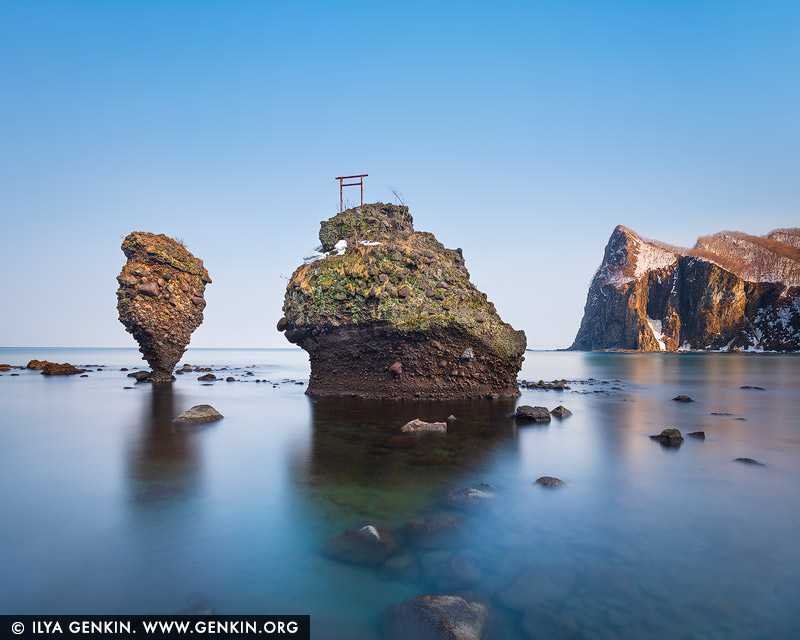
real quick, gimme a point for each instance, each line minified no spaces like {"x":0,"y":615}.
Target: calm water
{"x":109,"y":508}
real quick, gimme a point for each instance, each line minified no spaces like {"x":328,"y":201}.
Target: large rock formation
{"x":161,"y":301}
{"x":731,"y":291}
{"x":385,"y":311}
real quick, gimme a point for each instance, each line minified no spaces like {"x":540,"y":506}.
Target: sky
{"x":521,"y":132}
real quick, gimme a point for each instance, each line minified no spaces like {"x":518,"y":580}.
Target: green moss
{"x":349,"y":286}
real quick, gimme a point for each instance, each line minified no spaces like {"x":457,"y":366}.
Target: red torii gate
{"x":343,"y":184}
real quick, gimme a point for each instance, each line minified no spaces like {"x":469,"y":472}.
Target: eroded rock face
{"x":161,"y":298}
{"x":385,"y":311}
{"x":731,"y":291}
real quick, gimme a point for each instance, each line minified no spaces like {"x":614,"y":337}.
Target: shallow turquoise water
{"x":109,"y":507}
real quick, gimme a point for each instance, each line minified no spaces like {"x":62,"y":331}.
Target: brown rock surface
{"x":55,"y":369}
{"x":160,"y":298}
{"x":732,"y":291}
{"x":378,"y":316}
{"x":38,"y":365}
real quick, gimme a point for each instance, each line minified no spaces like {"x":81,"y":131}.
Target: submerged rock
{"x":682,"y":399}
{"x":369,"y":545}
{"x":439,"y":531}
{"x":527,"y":413}
{"x":417,"y":425}
{"x":537,"y":584}
{"x":750,"y":461}
{"x":443,"y":617}
{"x":550,"y":481}
{"x":160,"y":298}
{"x":446,"y":570}
{"x":669,"y":437}
{"x":732,"y":291}
{"x":467,"y":497}
{"x":539,"y":622}
{"x":55,"y":369}
{"x":198,"y":605}
{"x":208,"y":377}
{"x":393,"y":314}
{"x":139,"y":376}
{"x":200,"y":413}
{"x":701,"y":435}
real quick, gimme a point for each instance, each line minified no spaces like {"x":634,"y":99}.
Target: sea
{"x":109,"y":507}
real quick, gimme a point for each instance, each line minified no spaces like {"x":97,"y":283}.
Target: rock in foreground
{"x":732,"y":291}
{"x":391,"y":313}
{"x":200,"y":413}
{"x":161,"y":298}
{"x":443,"y":617}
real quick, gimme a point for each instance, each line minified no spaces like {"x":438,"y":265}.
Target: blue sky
{"x":521,"y":132}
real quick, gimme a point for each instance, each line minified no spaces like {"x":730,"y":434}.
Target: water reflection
{"x":359,"y":462}
{"x":164,"y":460}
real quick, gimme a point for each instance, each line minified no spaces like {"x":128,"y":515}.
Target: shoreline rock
{"x":730,"y":292}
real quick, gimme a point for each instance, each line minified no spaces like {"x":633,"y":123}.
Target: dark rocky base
{"x":374,"y":361}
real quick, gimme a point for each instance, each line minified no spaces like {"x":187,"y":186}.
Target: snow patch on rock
{"x":655,"y":327}
{"x":650,"y":258}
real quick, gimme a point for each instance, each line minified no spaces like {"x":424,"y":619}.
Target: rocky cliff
{"x":160,"y":298}
{"x":730,"y":291}
{"x":385,"y":311}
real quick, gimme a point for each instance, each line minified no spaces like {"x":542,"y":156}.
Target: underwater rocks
{"x":730,"y":292}
{"x":160,"y":298}
{"x":369,"y":545}
{"x":438,"y":531}
{"x":468,"y":497}
{"x":442,"y":617}
{"x":391,"y":313}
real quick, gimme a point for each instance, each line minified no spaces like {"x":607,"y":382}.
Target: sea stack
{"x":161,"y":298}
{"x":731,"y":291}
{"x":385,"y":311}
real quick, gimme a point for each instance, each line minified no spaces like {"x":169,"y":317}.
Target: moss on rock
{"x":411,"y":289}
